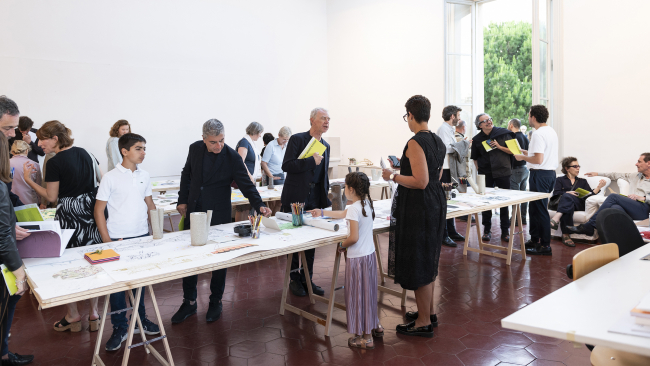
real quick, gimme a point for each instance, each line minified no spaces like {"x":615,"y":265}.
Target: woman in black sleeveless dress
{"x":418,"y":217}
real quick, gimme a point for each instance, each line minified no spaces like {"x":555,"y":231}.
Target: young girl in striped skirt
{"x":361,"y":263}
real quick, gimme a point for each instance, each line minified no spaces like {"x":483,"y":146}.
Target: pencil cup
{"x":271,"y":183}
{"x":480,"y":181}
{"x":157,"y":217}
{"x":296,"y":219}
{"x":462,"y":188}
{"x":199,"y":228}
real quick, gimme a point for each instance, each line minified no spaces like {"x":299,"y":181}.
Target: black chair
{"x":615,"y":226}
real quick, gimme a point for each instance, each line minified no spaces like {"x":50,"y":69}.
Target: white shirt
{"x":125,"y":192}
{"x":544,"y":141}
{"x":365,"y":245}
{"x":446,"y":133}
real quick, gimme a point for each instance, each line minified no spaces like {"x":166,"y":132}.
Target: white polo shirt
{"x":544,"y":141}
{"x":125,"y":192}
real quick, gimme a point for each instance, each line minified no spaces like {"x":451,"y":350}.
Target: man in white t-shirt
{"x":446,"y":132}
{"x":126,"y":191}
{"x":542,"y":161}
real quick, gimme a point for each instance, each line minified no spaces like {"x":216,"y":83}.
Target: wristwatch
{"x":392,"y":177}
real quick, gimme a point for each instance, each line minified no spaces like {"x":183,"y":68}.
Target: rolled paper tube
{"x":156,"y":226}
{"x":473,"y":185}
{"x":198,"y":228}
{"x":480,"y":181}
{"x":322,"y":224}
{"x":208,"y":220}
{"x":161,"y":221}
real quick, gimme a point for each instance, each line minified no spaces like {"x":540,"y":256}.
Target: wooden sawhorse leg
{"x":135,"y":317}
{"x":383,"y":275}
{"x":327,"y":322}
{"x":516,"y":210}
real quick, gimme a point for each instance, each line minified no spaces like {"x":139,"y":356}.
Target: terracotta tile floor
{"x":473,"y":294}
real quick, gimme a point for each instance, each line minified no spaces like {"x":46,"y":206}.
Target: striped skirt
{"x":77,"y":213}
{"x":361,"y":294}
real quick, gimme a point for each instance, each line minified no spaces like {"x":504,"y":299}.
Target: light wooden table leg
{"x":467,"y":234}
{"x":305,"y":270}
{"x":170,"y":360}
{"x":522,"y":240}
{"x":330,"y":304}
{"x":285,"y":287}
{"x":512,"y":235}
{"x":137,"y":315}
{"x":129,"y":335}
{"x":478,"y":231}
{"x":98,"y":344}
{"x":382,"y":274}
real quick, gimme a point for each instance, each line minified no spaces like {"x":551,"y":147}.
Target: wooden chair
{"x":584,"y":263}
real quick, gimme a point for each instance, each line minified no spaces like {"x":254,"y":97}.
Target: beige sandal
{"x":63,"y":325}
{"x":94,"y":324}
{"x":359,"y":342}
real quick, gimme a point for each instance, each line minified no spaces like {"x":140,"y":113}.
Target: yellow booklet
{"x":514,"y":147}
{"x":486,"y":145}
{"x":10,"y":280}
{"x":314,"y":146}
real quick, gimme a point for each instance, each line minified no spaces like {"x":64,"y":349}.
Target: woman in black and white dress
{"x":71,"y":178}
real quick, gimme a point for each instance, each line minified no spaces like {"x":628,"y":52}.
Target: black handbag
{"x":555,"y":200}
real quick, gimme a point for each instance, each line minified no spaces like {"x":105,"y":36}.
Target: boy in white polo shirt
{"x":126,"y":190}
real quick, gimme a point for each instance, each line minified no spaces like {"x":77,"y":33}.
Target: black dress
{"x":418,"y":220}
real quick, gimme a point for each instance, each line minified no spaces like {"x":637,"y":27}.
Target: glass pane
{"x":542,"y":19}
{"x":459,"y":77}
{"x":543,"y":74}
{"x":459,"y":28}
{"x":543,"y":102}
{"x":466,"y":115}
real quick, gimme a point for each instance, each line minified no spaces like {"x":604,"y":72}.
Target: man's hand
{"x":524,"y":152}
{"x":266,"y":211}
{"x":495,"y":144}
{"x":317,"y":158}
{"x":182,"y":209}
{"x":27,"y":138}
{"x":592,"y":174}
{"x":21,"y":233}
{"x":519,"y":157}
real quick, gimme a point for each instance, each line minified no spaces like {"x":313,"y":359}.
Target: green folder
{"x":28,"y":213}
{"x":10,"y":280}
{"x":582,"y":193}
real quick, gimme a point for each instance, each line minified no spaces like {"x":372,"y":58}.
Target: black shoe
{"x":184,"y":312}
{"x":523,"y":221}
{"x":150,"y":328}
{"x":581,"y":229}
{"x":487,"y":236}
{"x":449,"y":242}
{"x":540,"y":250}
{"x":457,"y":237}
{"x":505,"y":237}
{"x":115,"y":341}
{"x":297,"y":289}
{"x":410,"y":329}
{"x":412,"y":315}
{"x":317,"y":290}
{"x":16,"y":359}
{"x":531,"y":244}
{"x":214,"y":311}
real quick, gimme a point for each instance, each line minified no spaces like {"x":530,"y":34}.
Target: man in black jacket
{"x":306,"y":182}
{"x":210,"y":168}
{"x":27,"y":133}
{"x":519,"y":177}
{"x":495,"y":164}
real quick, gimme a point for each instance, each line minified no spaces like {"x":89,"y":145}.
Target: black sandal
{"x":568,"y":242}
{"x":377,"y":333}
{"x":554,"y":224}
{"x":63,"y":325}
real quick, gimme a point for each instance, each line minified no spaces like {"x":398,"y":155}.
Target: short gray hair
{"x":315,"y":111}
{"x":516,"y":123}
{"x":254,"y":128}
{"x":461,"y":124}
{"x":212,"y":127}
{"x":8,"y":106}
{"x":285,"y":132}
{"x":477,"y":122}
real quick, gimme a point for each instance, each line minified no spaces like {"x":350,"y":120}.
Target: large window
{"x":459,"y":41}
{"x":542,"y":53}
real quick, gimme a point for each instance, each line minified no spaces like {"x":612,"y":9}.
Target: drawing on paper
{"x":78,"y":272}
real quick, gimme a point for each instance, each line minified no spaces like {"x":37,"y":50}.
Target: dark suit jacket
{"x":35,"y":152}
{"x":300,"y":172}
{"x":563,"y":185}
{"x":214,"y":191}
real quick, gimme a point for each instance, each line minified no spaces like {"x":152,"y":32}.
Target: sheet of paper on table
{"x":627,"y":325}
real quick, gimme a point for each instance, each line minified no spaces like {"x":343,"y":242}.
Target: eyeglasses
{"x":574,"y":166}
{"x":406,"y":115}
{"x":487,"y":120}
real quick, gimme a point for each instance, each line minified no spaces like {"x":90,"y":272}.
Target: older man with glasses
{"x":495,"y":162}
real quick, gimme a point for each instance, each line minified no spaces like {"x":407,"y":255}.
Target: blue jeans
{"x":635,"y":209}
{"x":519,"y":182}
{"x":118,"y":301}
{"x":540,"y":221}
{"x":7,"y":309}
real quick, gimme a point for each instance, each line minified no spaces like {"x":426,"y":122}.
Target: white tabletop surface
{"x":584,"y":310}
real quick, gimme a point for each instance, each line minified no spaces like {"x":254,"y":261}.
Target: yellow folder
{"x":514,"y":147}
{"x":10,"y":280}
{"x":314,"y":146}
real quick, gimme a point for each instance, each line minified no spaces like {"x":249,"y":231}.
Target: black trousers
{"x":567,"y":206}
{"x":299,"y":275}
{"x":450,"y":226}
{"x":501,"y":182}
{"x":7,"y":309}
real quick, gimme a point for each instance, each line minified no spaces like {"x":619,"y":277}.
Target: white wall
{"x":166,"y":66}
{"x":380,"y":53}
{"x":606,"y":83}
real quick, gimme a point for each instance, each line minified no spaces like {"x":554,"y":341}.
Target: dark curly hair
{"x":115,"y":130}
{"x":420,"y":107}
{"x":360,"y":183}
{"x":566,"y":162}
{"x":540,"y":113}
